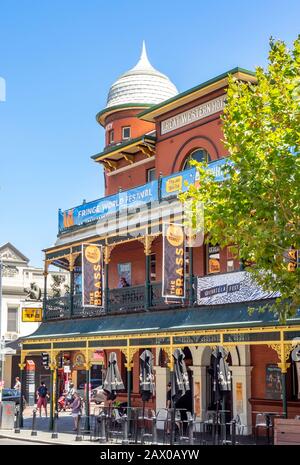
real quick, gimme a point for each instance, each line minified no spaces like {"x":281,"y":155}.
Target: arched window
{"x":198,"y":155}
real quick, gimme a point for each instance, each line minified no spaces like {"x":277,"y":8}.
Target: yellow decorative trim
{"x":129,"y":354}
{"x":107,"y":253}
{"x":147,"y":242}
{"x":283,"y":352}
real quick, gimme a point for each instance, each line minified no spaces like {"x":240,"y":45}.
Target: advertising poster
{"x":273,"y":382}
{"x":173,"y":261}
{"x":124,"y":271}
{"x":92,"y":276}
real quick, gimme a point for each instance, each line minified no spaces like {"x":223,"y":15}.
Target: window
{"x":198,"y":155}
{"x":126,"y":133}
{"x":12,"y":319}
{"x":151,"y":174}
{"x":111,"y":136}
{"x":213,"y":259}
{"x":230,"y":258}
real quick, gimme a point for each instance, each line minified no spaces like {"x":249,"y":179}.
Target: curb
{"x":44,"y":441}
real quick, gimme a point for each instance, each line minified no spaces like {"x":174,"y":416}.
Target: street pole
{"x":2,"y":342}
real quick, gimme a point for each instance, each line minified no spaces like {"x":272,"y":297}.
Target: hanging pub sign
{"x":92,"y":276}
{"x":173,"y":261}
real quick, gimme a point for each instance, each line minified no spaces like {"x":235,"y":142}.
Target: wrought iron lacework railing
{"x":124,"y":300}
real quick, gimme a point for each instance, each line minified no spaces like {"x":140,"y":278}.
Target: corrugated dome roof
{"x":141,"y":84}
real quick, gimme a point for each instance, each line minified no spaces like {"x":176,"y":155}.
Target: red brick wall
{"x":262,"y":355}
{"x":126,"y":118}
{"x":173,"y":147}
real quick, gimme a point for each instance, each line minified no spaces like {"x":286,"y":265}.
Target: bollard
{"x":191,"y":431}
{"x":78,"y":433}
{"x":55,"y":433}
{"x":33,"y":429}
{"x":102,"y":437}
{"x":154,"y":430}
{"x":125,"y":440}
{"x":17,"y":422}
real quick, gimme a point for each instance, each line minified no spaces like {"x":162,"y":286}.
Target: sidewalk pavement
{"x":65,"y":424}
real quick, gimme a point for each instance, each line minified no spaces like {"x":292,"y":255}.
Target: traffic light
{"x":60,"y":361}
{"x":292,"y":259}
{"x":45,"y":360}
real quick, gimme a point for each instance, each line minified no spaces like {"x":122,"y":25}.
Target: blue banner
{"x":216,"y":167}
{"x":101,"y":208}
{"x":175,"y":183}
{"x":139,"y":196}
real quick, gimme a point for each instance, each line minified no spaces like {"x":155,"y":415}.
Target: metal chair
{"x":163,"y":419}
{"x":115,"y":423}
{"x":264,"y":422}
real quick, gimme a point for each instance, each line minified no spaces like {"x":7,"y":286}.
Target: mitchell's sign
{"x":194,"y":114}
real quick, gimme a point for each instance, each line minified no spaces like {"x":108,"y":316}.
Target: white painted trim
{"x":125,"y":168}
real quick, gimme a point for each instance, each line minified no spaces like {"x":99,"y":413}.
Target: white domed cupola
{"x":142,"y":84}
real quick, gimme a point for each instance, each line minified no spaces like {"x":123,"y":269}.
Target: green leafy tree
{"x":257,"y":206}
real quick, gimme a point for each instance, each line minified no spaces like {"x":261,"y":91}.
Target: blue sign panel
{"x":100,"y":209}
{"x":175,"y":183}
{"x":136,"y":198}
{"x":216,"y":167}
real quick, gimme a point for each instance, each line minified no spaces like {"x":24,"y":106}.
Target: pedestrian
{"x":17,"y":385}
{"x":70,"y":395}
{"x":123,"y":282}
{"x":76,"y":409}
{"x":42,"y":396}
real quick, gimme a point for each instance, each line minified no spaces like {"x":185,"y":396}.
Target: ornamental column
{"x":283,"y":351}
{"x":107,"y":253}
{"x":147,"y":242}
{"x":45,"y":290}
{"x":129,"y":353}
{"x":22,"y":381}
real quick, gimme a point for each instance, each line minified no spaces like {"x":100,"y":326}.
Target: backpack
{"x":42,"y":391}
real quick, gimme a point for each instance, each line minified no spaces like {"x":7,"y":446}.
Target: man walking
{"x":42,"y":395}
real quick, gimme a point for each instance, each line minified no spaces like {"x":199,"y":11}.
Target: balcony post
{"x":191,"y":276}
{"x":45,"y":290}
{"x":107,"y":252}
{"x":71,"y":268}
{"x":147,"y":249}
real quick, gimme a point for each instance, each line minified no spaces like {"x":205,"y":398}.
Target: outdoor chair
{"x":146,"y":422}
{"x":187,"y":427}
{"x":115,"y":423}
{"x":163,"y":422}
{"x":263,"y":422}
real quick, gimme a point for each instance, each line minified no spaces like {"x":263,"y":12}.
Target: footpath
{"x":65,"y":433}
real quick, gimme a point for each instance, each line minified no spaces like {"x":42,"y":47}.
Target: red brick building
{"x":152,"y":132}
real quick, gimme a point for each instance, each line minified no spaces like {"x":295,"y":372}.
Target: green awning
{"x":198,"y":318}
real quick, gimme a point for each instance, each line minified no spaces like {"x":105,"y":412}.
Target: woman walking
{"x":76,"y":409}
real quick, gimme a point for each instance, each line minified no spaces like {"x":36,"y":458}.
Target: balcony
{"x":120,"y":301}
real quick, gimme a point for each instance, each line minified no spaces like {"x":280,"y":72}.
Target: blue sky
{"x":58,"y":60}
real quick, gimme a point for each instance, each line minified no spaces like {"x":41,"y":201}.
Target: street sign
{"x":31,"y":315}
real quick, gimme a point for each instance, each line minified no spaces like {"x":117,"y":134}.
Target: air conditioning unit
{"x":11,"y":336}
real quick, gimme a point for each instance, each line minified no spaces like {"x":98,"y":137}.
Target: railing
{"x":58,"y":308}
{"x":124,"y":300}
